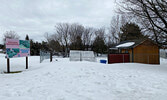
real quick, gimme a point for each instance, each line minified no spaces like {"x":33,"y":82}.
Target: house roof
{"x":129,"y":44}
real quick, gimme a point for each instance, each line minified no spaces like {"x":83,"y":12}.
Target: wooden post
{"x":50,"y":56}
{"x":26,"y":62}
{"x":8,"y":65}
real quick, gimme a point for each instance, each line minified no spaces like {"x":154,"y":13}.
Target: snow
{"x":163,"y":53}
{"x":163,"y":50}
{"x":128,"y":44}
{"x":65,"y":80}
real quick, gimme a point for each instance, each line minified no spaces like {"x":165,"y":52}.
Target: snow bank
{"x":128,"y":44}
{"x":65,"y":80}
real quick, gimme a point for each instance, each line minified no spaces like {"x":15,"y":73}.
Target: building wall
{"x":129,"y":51}
{"x":147,"y":52}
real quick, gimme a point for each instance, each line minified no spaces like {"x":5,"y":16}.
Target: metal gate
{"x":44,"y":55}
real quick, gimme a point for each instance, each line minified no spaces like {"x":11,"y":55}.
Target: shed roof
{"x":129,"y":44}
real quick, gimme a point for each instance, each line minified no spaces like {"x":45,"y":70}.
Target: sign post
{"x":17,"y":48}
{"x":8,"y":65}
{"x":26,"y":62}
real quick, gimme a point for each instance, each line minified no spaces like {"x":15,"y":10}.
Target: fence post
{"x":40,"y":56}
{"x":80,"y":55}
{"x":50,"y":56}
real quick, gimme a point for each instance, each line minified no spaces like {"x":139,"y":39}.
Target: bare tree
{"x":152,"y":15}
{"x":110,"y":41}
{"x":115,"y":25}
{"x":76,"y":32}
{"x":51,"y":42}
{"x":10,"y":35}
{"x":100,"y":32}
{"x":47,"y":37}
{"x":62,"y":34}
{"x":99,"y":45}
{"x":87,"y":37}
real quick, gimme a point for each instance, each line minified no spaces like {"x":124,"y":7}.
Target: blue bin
{"x":103,"y":61}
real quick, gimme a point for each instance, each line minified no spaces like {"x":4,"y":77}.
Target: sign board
{"x":17,"y":48}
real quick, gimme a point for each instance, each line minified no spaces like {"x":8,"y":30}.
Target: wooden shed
{"x":141,"y":51}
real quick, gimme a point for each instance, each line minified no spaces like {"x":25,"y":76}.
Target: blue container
{"x":103,"y":61}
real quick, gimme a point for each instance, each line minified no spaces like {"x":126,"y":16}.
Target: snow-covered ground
{"x":65,"y":80}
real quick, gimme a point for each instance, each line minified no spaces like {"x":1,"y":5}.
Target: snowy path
{"x":64,"y":80}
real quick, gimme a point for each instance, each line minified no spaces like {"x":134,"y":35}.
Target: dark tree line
{"x":77,"y":37}
{"x":35,"y":47}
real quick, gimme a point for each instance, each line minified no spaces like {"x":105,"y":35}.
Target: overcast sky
{"x":35,"y":17}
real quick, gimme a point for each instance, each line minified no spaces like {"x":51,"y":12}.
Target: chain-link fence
{"x":82,"y":55}
{"x":163,"y":53}
{"x":44,"y":55}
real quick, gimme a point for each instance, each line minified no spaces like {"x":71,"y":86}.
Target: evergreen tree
{"x":32,"y":51}
{"x":77,"y":45}
{"x":27,"y":37}
{"x":131,"y":31}
{"x":44,"y":46}
{"x":99,"y":45}
{"x":35,"y":47}
{"x":54,"y":46}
